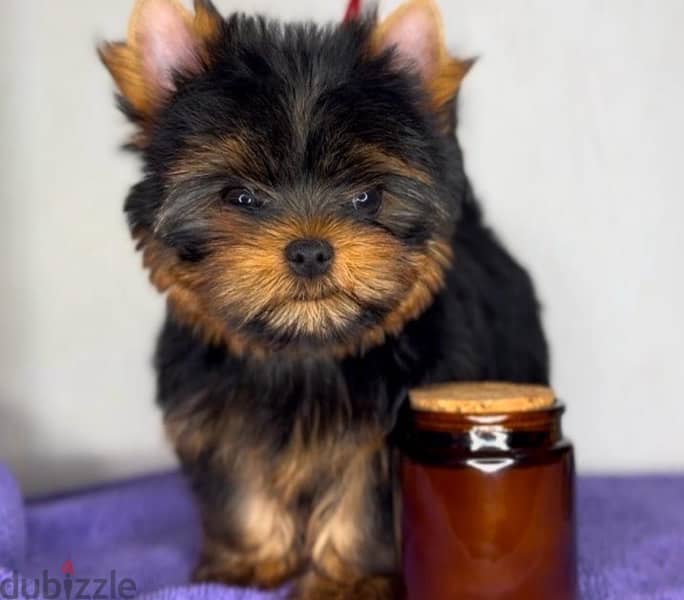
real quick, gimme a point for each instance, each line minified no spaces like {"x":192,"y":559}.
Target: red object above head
{"x":353,"y":10}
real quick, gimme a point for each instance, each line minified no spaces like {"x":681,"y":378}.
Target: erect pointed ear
{"x":415,"y":32}
{"x":164,"y":40}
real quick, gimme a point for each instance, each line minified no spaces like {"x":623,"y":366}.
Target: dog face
{"x":299,"y":181}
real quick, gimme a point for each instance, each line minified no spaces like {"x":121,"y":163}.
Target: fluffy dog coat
{"x":305,"y":210}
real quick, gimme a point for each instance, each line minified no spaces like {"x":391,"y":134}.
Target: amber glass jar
{"x":487,"y":495}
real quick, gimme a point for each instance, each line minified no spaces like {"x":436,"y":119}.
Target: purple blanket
{"x":139,"y":538}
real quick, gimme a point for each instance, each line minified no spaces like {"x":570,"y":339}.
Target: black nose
{"x":309,"y":258}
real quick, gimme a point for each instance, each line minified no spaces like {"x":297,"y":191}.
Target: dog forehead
{"x":293,"y":101}
{"x":297,"y":73}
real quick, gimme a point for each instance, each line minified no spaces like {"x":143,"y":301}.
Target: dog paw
{"x":237,"y":571}
{"x":312,"y":587}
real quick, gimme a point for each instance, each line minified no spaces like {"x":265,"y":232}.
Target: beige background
{"x":573,"y":128}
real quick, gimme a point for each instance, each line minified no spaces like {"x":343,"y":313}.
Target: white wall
{"x":573,"y":126}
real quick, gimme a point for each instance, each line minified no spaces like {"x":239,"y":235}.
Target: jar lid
{"x":481,"y":398}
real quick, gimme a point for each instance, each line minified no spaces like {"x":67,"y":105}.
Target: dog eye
{"x":242,"y":197}
{"x":368,"y":201}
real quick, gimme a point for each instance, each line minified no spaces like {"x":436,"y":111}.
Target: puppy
{"x":305,"y":210}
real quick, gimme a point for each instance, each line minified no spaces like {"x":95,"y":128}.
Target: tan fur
{"x":339,"y":526}
{"x":264,"y":550}
{"x":375,"y":156}
{"x":314,"y":587}
{"x":265,"y":516}
{"x":211,"y":155}
{"x":188,"y":434}
{"x":427,"y":279}
{"x":248,"y":276}
{"x":268,"y":566}
{"x":124,"y":60}
{"x":236,"y":154}
{"x":169,"y":275}
{"x":446,"y":72}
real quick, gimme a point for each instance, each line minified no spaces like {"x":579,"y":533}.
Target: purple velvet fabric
{"x":631,"y":541}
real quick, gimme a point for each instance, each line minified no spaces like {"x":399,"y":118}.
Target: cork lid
{"x":481,"y":398}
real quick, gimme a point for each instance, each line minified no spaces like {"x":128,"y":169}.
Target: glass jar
{"x":487,"y":495}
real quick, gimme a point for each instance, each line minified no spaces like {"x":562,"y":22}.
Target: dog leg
{"x":350,"y":539}
{"x":260,"y":551}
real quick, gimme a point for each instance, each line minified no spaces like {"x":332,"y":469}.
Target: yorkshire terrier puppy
{"x":305,"y":210}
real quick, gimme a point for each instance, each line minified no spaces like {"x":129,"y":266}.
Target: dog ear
{"x":164,"y":40}
{"x":415,"y":33}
